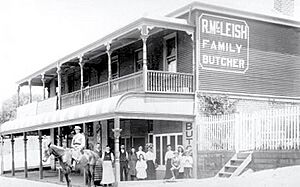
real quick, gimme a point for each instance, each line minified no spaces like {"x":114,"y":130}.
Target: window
{"x":170,"y":53}
{"x":138,"y":59}
{"x":114,"y":67}
{"x":160,"y":142}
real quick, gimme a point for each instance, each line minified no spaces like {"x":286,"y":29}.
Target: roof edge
{"x":226,"y":10}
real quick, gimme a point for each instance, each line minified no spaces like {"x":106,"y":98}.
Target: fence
{"x":266,"y":130}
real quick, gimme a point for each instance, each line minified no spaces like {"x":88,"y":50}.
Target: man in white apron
{"x":77,"y":144}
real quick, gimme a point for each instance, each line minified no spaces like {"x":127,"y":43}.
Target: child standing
{"x":141,"y":167}
{"x":188,"y":165}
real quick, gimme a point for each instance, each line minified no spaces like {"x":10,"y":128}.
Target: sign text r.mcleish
{"x":224,"y":44}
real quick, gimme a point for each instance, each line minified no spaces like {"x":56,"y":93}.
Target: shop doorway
{"x":160,"y":142}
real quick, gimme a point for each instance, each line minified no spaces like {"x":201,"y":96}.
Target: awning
{"x":129,"y":105}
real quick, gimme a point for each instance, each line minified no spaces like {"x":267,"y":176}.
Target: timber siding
{"x":274,"y":62}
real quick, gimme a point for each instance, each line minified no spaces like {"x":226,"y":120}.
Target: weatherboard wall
{"x":274,"y":61}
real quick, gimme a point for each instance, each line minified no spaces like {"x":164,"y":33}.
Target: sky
{"x":35,"y":33}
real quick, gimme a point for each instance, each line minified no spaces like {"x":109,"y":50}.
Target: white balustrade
{"x":71,"y":99}
{"x":95,"y":92}
{"x":161,"y":81}
{"x":131,"y":82}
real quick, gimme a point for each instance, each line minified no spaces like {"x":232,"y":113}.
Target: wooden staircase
{"x":236,"y":165}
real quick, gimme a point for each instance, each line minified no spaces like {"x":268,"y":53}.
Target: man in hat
{"x":123,"y":163}
{"x":78,"y":144}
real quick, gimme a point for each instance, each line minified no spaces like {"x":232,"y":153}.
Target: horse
{"x":87,"y":160}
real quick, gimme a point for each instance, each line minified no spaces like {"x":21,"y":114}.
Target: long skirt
{"x":151,"y":172}
{"x":98,"y":173}
{"x":168,"y":174}
{"x":108,"y":173}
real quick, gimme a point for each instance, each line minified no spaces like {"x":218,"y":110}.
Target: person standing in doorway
{"x":140,"y":151}
{"x":168,"y":158}
{"x":150,"y":160}
{"x":175,"y":165}
{"x":77,"y":145}
{"x":123,"y":163}
{"x":132,"y":164}
{"x":108,"y":177}
{"x":180,"y":150}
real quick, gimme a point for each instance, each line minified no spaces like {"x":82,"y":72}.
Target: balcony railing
{"x":131,"y":82}
{"x":157,"y":81}
{"x":37,"y":107}
{"x":71,"y":99}
{"x":96,"y":92}
{"x":160,"y":81}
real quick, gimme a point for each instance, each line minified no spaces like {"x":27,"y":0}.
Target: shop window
{"x":138,"y":59}
{"x":160,"y":142}
{"x":170,"y":53}
{"x":114,"y":67}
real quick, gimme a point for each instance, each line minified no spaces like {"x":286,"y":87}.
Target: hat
{"x":180,"y":146}
{"x":77,"y":128}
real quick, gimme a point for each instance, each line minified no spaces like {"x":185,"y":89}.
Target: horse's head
{"x":47,"y":151}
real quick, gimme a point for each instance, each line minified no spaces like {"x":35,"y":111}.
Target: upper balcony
{"x":156,"y":81}
{"x":149,"y":55}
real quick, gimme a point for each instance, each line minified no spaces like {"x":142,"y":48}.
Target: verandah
{"x":274,"y":129}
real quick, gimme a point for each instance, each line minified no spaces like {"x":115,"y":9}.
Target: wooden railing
{"x":157,"y":81}
{"x":161,"y":81}
{"x":37,"y":107}
{"x":71,"y":99}
{"x":131,"y":82}
{"x":266,"y":130}
{"x":95,"y":92}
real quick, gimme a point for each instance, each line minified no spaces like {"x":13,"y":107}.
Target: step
{"x":243,"y":155}
{"x":225,"y":174}
{"x":230,"y":168}
{"x":236,"y":162}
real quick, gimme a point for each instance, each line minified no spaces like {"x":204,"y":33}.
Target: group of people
{"x":138,"y":165}
{"x":179,"y":163}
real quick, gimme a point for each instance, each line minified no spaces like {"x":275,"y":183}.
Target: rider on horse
{"x":78,"y":144}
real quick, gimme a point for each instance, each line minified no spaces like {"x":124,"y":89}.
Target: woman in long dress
{"x":168,"y":158}
{"x":180,"y":150}
{"x":98,"y":167}
{"x":108,"y":177}
{"x":150,"y":160}
{"x":132,"y":164}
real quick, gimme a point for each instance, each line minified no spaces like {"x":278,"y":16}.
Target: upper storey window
{"x":114,"y":67}
{"x":138,"y":58}
{"x":170,"y":53}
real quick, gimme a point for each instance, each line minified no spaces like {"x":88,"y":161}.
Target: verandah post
{"x":81,"y":64}
{"x":12,"y":155}
{"x":41,"y":155}
{"x":25,"y":155}
{"x":2,"y":156}
{"x":108,"y":52}
{"x":117,"y":133}
{"x":43,"y":82}
{"x":58,"y":71}
{"x":144,"y":37}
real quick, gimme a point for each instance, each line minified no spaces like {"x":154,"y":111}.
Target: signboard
{"x":224,"y":44}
